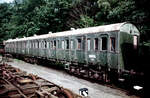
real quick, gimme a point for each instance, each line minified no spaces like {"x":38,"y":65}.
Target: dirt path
{"x":71,"y":82}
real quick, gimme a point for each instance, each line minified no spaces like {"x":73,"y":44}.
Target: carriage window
{"x":67,"y":44}
{"x":33,"y":45}
{"x":104,"y":43}
{"x":11,"y":45}
{"x":51,"y":44}
{"x":63,"y":45}
{"x":54,"y":46}
{"x":96,"y":43}
{"x":79,"y":44}
{"x":37,"y":44}
{"x":30,"y":45}
{"x":72,"y":44}
{"x":25,"y":44}
{"x":17,"y":45}
{"x":45,"y":45}
{"x":58,"y":44}
{"x":20,"y":47}
{"x":113,"y":45}
{"x":88,"y":44}
{"x":40,"y":44}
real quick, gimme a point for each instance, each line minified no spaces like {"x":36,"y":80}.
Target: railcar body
{"x":110,"y":46}
{"x":107,"y":53}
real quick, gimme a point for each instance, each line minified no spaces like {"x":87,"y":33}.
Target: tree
{"x":82,"y":13}
{"x":29,"y":17}
{"x":4,"y":20}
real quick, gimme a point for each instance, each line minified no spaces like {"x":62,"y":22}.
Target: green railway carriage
{"x":108,"y":46}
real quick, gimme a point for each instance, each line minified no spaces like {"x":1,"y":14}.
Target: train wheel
{"x":72,"y":70}
{"x":90,"y":74}
{"x":105,"y":78}
{"x":78,"y":71}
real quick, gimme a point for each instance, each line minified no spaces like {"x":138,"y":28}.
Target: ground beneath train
{"x":73,"y":83}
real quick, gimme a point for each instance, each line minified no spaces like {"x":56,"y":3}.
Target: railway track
{"x":15,"y":83}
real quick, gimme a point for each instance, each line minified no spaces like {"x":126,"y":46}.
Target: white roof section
{"x":97,"y":29}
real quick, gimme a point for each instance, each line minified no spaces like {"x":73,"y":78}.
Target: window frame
{"x":104,"y":35}
{"x":51,"y":44}
{"x":62,"y":44}
{"x":79,"y":48}
{"x":72,"y":44}
{"x":96,"y":46}
{"x":58,"y":44}
{"x":54,"y":44}
{"x":88,"y":44}
{"x":114,"y":45}
{"x":45,"y":44}
{"x":104,"y":44}
{"x":67,"y":44}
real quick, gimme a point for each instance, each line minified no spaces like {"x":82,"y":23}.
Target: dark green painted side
{"x":117,"y":59}
{"x":126,"y":56}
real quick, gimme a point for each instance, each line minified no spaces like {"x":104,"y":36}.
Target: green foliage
{"x":104,"y":5}
{"x":29,"y":17}
{"x":82,"y":13}
{"x":85,"y":21}
{"x":112,"y":11}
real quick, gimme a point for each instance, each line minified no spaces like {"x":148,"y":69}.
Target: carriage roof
{"x":97,"y":29}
